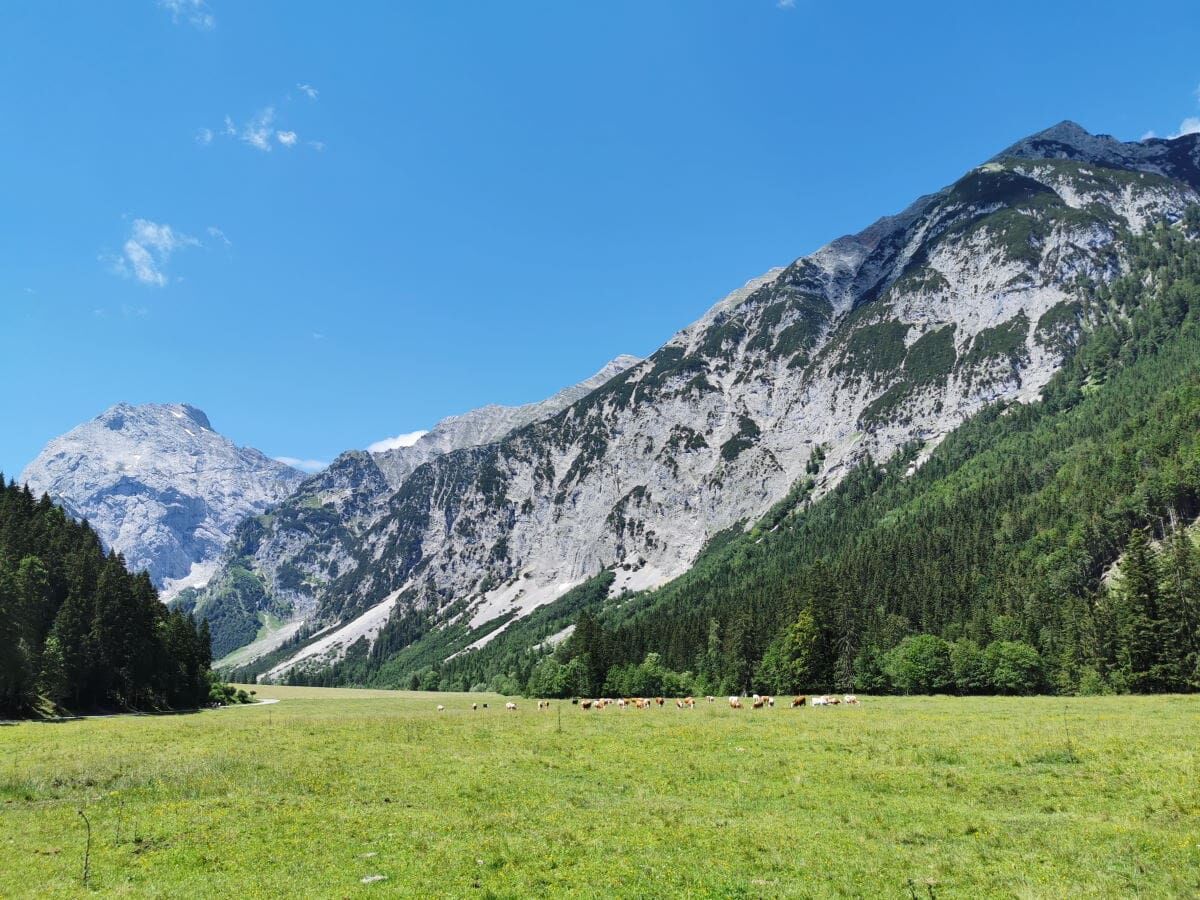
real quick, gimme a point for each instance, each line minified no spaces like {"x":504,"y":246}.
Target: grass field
{"x":944,"y":797}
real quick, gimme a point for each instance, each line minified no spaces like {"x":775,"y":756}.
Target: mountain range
{"x":876,"y":347}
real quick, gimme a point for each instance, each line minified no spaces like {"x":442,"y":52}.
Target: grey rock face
{"x":308,"y":541}
{"x":159,"y":485}
{"x":488,"y":424}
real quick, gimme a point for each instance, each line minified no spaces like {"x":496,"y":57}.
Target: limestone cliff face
{"x":159,"y":485}
{"x":278,"y":563}
{"x":894,"y":335}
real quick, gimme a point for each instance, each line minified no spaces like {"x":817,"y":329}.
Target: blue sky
{"x":329,"y":223}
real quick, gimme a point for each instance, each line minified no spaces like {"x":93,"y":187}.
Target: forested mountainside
{"x":266,"y":586}
{"x":77,"y":629}
{"x":1039,"y":547}
{"x":972,"y":297}
{"x":159,"y":485}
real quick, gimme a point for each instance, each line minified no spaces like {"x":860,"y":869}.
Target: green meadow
{"x":341,"y":793}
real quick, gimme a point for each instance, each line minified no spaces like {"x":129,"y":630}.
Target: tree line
{"x":78,"y":630}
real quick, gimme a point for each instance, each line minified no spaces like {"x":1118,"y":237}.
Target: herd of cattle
{"x":757,"y":701}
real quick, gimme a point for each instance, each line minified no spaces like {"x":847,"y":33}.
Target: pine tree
{"x":1138,"y":616}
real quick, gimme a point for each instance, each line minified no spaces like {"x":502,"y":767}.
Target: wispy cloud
{"x":400,"y":440}
{"x":147,"y":251}
{"x":215,"y":232}
{"x":308,"y":90}
{"x":785,"y":4}
{"x":260,"y":131}
{"x":304,"y":465}
{"x":257,"y":132}
{"x":192,"y":12}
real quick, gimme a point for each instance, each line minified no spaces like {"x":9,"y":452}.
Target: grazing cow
{"x":586,"y":704}
{"x":771,"y":702}
{"x":689,"y":702}
{"x":799,"y":701}
{"x":679,"y":704}
{"x":660,"y":701}
{"x":474,"y":706}
{"x":543,"y":704}
{"x":711,"y":699}
{"x":485,"y":706}
{"x":758,"y":703}
{"x":574,"y":701}
{"x":735,"y":702}
{"x":621,"y":703}
{"x":510,"y":706}
{"x":850,"y":699}
{"x":441,"y":708}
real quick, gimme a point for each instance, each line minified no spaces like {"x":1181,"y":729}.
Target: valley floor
{"x":323,"y":791}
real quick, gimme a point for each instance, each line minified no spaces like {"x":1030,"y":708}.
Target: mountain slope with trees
{"x":1039,"y":547}
{"x":969,"y":299}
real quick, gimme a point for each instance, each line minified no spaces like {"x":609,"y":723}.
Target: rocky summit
{"x":160,"y":486}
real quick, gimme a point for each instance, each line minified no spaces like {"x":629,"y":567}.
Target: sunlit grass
{"x":307,"y":797}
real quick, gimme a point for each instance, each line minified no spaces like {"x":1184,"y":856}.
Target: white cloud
{"x":400,"y":440}
{"x":310,"y":91}
{"x":1190,"y":125}
{"x":257,"y":132}
{"x":318,"y":335}
{"x":204,"y":136}
{"x":260,"y":131}
{"x":1148,"y":135}
{"x":147,"y":251}
{"x":193,"y":12}
{"x":786,"y":4}
{"x":304,"y":465}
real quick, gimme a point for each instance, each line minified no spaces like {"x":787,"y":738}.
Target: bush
{"x":970,"y":665}
{"x":1092,"y":684}
{"x":920,"y":665}
{"x":1014,"y":666}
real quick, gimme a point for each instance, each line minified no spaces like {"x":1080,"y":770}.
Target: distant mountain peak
{"x":159,"y":484}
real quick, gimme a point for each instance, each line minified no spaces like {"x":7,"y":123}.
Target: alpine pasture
{"x":338,"y":793}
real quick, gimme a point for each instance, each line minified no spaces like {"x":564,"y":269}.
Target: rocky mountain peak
{"x":159,"y":485}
